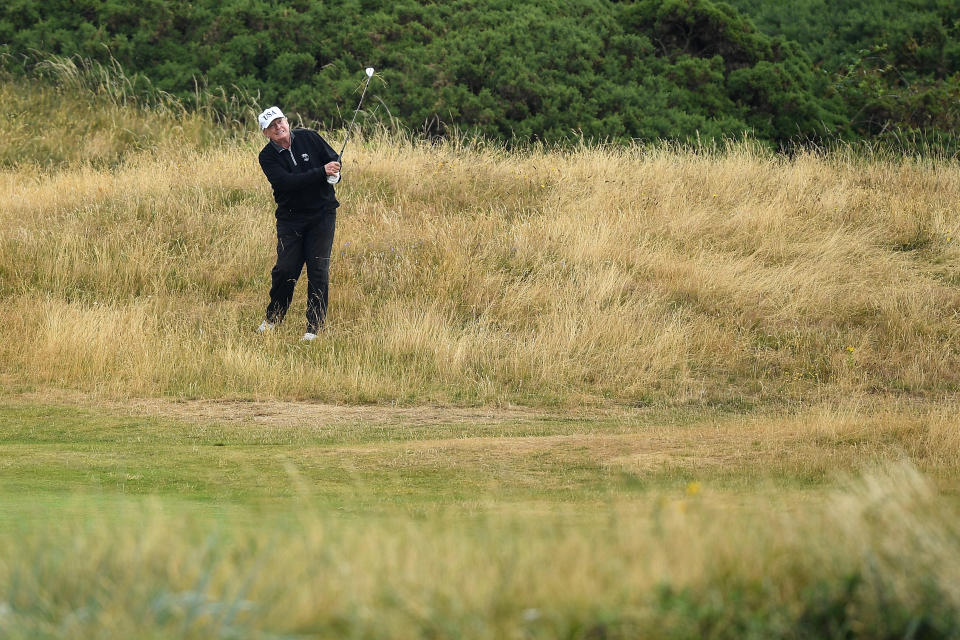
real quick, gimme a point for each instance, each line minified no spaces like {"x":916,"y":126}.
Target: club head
{"x":369,"y":72}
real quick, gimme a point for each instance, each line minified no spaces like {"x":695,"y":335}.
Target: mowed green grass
{"x":382,"y":458}
{"x":348,"y":463}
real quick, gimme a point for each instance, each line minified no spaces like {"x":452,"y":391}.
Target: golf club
{"x":334,"y":179}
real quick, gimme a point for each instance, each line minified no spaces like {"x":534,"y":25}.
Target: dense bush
{"x":549,"y":69}
{"x":896,"y":62}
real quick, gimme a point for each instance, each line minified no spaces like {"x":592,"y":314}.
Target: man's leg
{"x":318,"y":243}
{"x":290,"y":257}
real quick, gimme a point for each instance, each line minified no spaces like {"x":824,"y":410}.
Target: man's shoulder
{"x":308,"y":133}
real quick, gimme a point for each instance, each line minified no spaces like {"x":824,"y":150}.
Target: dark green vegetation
{"x":895,"y":64}
{"x":549,"y":70}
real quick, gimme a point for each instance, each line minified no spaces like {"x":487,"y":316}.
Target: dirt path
{"x":289,"y":413}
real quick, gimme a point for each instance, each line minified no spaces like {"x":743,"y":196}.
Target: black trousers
{"x":309,"y":241}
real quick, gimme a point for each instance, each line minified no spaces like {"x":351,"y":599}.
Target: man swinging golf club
{"x":297,"y":164}
{"x":302,"y":169}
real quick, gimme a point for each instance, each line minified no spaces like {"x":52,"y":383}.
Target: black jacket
{"x":299,"y":182}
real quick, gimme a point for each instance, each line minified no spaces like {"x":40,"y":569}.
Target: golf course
{"x":585,"y":392}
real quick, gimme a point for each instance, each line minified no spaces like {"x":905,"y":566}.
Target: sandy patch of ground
{"x":288,"y":413}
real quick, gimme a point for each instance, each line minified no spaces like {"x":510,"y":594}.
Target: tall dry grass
{"x":464,"y":273}
{"x":74,"y":122}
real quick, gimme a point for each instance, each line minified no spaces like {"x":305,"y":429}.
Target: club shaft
{"x":352,"y":120}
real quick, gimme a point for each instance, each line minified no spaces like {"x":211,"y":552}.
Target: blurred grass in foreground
{"x":878,"y":559}
{"x":286,"y":521}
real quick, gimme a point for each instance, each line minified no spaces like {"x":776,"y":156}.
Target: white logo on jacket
{"x":306,"y":157}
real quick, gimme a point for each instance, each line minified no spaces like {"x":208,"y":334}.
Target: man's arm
{"x":331,"y":153}
{"x":319,"y":145}
{"x":331,"y":162}
{"x":283,"y":180}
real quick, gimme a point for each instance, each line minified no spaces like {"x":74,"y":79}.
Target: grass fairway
{"x":211,"y":519}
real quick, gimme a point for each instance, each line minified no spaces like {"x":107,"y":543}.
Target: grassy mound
{"x":134,"y":260}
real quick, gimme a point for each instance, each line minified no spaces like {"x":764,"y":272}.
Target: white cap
{"x":269,"y":115}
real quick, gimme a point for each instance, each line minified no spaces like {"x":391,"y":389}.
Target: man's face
{"x":278,"y":131}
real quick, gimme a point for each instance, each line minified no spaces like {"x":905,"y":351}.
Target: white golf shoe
{"x":307,"y":337}
{"x":265,"y":326}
